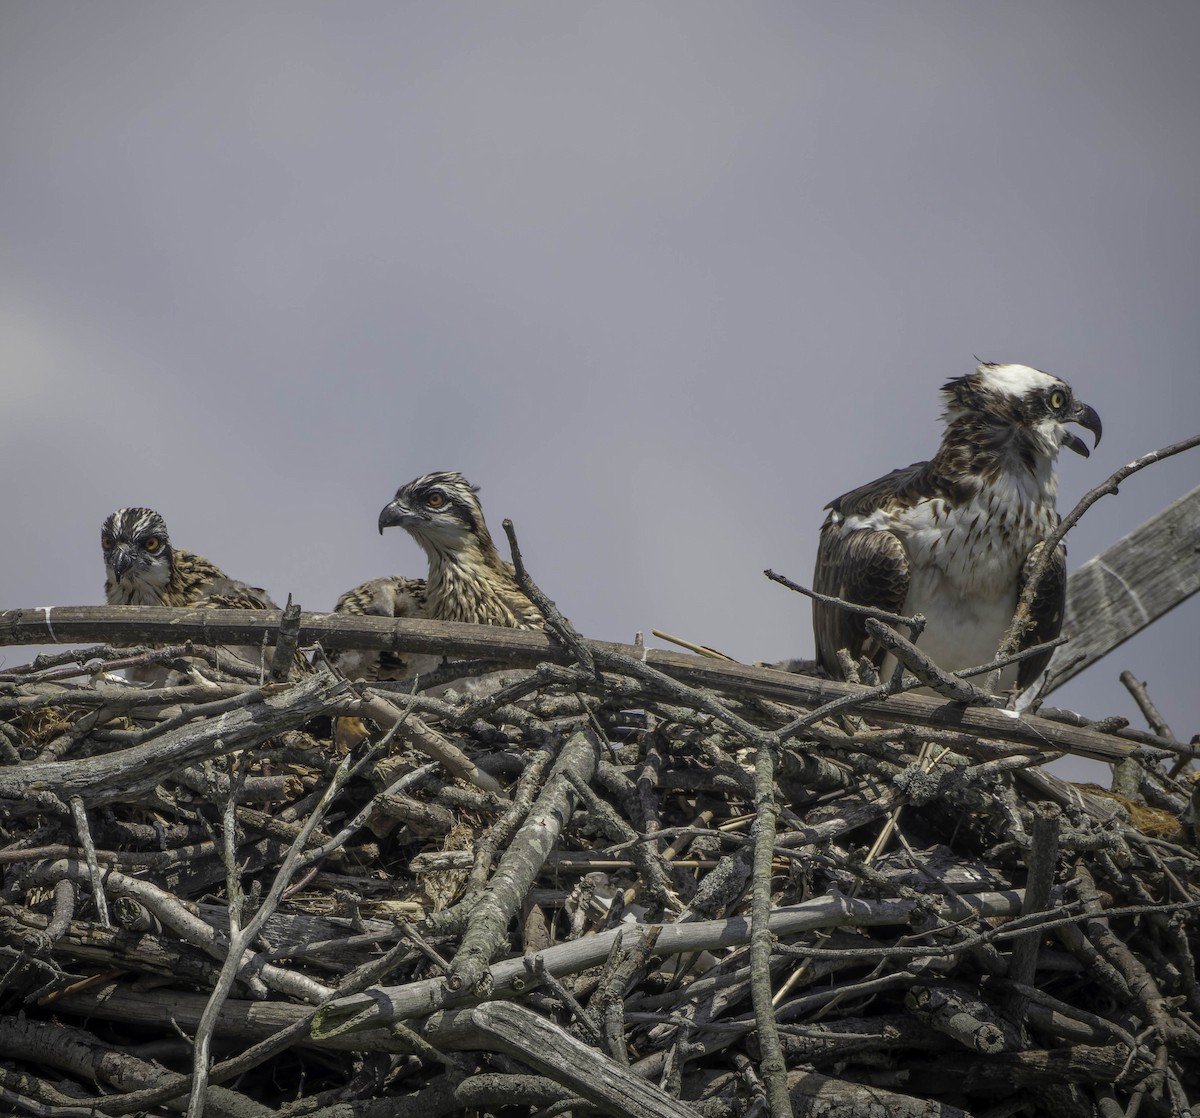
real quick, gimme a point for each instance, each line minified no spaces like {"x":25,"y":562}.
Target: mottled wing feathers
{"x":389,"y":596}
{"x":867,"y":567}
{"x":1049,"y":606}
{"x":198,"y":583}
{"x":906,"y":485}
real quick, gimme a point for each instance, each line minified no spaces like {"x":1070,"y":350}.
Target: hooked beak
{"x":120,"y":561}
{"x":397,"y":515}
{"x":1085,"y":416}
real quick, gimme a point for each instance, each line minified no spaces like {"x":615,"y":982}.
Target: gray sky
{"x":662,"y":278}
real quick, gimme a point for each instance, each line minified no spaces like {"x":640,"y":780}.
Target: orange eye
{"x":152,"y":544}
{"x":435,"y":500}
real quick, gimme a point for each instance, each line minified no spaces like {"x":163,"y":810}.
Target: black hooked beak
{"x":120,"y":561}
{"x":397,"y":514}
{"x":1085,"y":416}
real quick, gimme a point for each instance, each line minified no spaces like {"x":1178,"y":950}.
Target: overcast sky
{"x":662,"y":278}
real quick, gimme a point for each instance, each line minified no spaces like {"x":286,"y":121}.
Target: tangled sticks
{"x":649,"y":884}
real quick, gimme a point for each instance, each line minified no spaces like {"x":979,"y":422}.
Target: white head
{"x":1023,"y":402}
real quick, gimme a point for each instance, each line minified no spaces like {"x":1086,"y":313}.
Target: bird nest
{"x":621,"y":882}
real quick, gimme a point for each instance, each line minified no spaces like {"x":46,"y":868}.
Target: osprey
{"x":467,"y":580}
{"x":142,"y":568}
{"x":954,"y":538}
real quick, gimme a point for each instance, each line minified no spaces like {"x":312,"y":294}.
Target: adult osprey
{"x":955,"y":538}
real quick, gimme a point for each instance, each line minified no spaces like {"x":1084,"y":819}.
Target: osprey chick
{"x":955,"y":537}
{"x":142,"y":568}
{"x":389,"y":596}
{"x":467,"y":581}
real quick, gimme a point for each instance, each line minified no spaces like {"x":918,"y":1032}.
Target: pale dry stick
{"x":187,"y":925}
{"x":487,"y":923}
{"x":500,"y":833}
{"x":1150,"y":712}
{"x":79,"y":814}
{"x":517,"y":1031}
{"x":412,"y":999}
{"x":899,"y":687}
{"x":1042,"y":861}
{"x":1158,"y":725}
{"x":1021,"y":618}
{"x":297,"y":1029}
{"x":114,"y":697}
{"x":128,"y":773}
{"x":422,"y":736}
{"x":683,"y":693}
{"x":773,"y":1065}
{"x":698,"y":649}
{"x":649,"y":864}
{"x":235,"y":896}
{"x":97,"y":660}
{"x":246,"y":695}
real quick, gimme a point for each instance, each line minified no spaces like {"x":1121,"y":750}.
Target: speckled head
{"x":440,"y":510}
{"x":137,"y":550}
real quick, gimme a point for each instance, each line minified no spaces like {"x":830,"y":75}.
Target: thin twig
{"x":555,"y":622}
{"x":914,"y":624}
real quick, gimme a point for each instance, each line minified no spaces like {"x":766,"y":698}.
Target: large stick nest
{"x":340,"y":901}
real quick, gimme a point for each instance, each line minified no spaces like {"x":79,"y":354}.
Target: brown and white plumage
{"x":467,"y":579}
{"x":389,"y":596}
{"x":955,"y":537}
{"x":143,"y":568}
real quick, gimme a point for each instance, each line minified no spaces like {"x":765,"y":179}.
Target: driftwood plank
{"x":1116,"y":594}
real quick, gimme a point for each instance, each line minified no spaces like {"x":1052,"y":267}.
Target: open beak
{"x":1085,"y":416}
{"x":397,"y":515}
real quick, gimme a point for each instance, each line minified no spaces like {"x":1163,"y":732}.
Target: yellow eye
{"x":152,"y":544}
{"x":435,"y":500}
{"x":1057,"y":399}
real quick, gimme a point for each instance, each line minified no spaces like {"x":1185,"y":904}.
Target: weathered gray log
{"x":505,"y":1027}
{"x":146,"y":624}
{"x":500,"y":901}
{"x":1116,"y":594}
{"x":963,"y":1017}
{"x":822,"y":1096}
